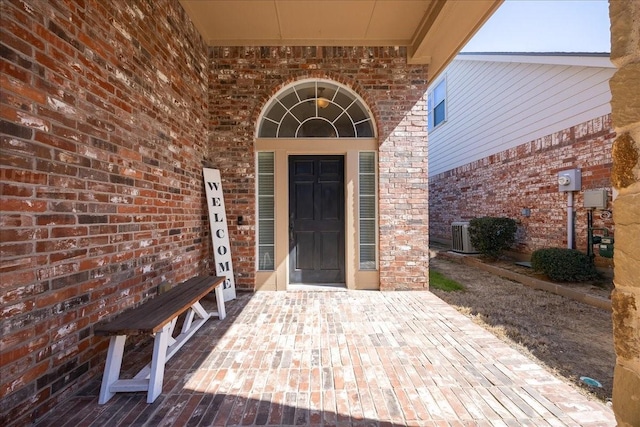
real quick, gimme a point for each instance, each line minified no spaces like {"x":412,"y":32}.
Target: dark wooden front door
{"x":316,"y":219}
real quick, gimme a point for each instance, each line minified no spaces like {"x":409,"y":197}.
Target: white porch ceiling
{"x":432,"y":30}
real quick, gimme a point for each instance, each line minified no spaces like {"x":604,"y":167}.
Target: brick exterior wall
{"x":243,"y":79}
{"x":404,"y":204}
{"x":526,"y":177}
{"x":104,"y":134}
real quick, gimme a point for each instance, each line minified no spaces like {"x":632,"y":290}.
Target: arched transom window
{"x":316,"y":109}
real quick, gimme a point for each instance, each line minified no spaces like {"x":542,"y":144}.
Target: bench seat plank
{"x":158,"y":317}
{"x":151,"y":316}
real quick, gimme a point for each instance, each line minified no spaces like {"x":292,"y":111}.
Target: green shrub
{"x":492,"y":236}
{"x":564,"y":265}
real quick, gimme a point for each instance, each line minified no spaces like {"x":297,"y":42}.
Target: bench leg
{"x":188,"y":321}
{"x":112,"y":367}
{"x":158,"y":361}
{"x":220,"y":302}
{"x":171,"y":328}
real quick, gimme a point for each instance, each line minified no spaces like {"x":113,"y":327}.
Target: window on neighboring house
{"x":437,"y":104}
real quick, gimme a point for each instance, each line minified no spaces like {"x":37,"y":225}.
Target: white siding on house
{"x":495,"y":103}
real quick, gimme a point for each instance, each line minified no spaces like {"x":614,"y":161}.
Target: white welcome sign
{"x":219,"y":231}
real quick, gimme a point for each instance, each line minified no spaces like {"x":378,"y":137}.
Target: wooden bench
{"x":157,"y":316}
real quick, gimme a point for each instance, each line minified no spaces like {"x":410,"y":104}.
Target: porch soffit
{"x":433,"y":31}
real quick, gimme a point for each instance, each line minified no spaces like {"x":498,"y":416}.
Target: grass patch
{"x":438,"y":281}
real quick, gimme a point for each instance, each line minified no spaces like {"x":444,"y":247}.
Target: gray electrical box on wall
{"x":570,"y":180}
{"x":595,"y":199}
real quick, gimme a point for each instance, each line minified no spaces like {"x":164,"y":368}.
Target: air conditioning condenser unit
{"x":460,"y":240}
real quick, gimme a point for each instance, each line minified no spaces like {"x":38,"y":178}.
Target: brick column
{"x":625,"y":89}
{"x":404,"y":204}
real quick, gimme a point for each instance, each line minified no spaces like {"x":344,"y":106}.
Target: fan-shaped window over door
{"x":316,"y":109}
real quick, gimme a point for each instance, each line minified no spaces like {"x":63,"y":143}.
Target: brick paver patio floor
{"x":343,"y":358}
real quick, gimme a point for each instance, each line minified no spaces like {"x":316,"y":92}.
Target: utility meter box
{"x":595,"y":199}
{"x":570,"y":180}
{"x":606,"y":247}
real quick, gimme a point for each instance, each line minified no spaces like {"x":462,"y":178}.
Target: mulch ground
{"x":573,"y":339}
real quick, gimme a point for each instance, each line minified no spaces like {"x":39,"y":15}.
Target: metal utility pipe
{"x":570,"y":243}
{"x":590,"y":233}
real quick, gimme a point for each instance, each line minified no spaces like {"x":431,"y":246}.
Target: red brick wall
{"x":242,"y":80}
{"x":104,"y":134}
{"x":404,"y":204}
{"x":526,"y":177}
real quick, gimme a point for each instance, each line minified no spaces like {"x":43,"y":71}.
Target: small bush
{"x":492,"y":236}
{"x":564,"y":265}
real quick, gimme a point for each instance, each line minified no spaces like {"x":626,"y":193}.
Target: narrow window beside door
{"x":367,"y":216}
{"x":266,"y":212}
